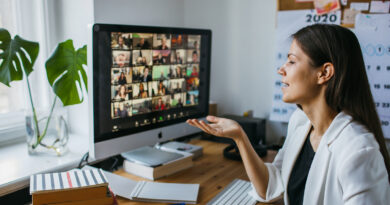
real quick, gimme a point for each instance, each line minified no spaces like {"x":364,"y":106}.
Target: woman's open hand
{"x":221,"y":127}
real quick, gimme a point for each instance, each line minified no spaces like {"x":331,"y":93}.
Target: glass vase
{"x":47,"y":134}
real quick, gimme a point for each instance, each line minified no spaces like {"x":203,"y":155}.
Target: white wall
{"x":242,"y":68}
{"x":140,"y":12}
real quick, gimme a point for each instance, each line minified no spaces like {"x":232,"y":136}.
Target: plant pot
{"x":54,"y":140}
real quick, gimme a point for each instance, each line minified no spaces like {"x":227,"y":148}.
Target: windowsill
{"x":16,"y":165}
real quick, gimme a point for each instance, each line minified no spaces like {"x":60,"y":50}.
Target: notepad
{"x":165,"y":192}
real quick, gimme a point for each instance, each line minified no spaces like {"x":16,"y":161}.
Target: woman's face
{"x":141,"y":87}
{"x":299,"y":78}
{"x":122,"y":90}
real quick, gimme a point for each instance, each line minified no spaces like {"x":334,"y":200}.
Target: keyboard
{"x":235,"y":193}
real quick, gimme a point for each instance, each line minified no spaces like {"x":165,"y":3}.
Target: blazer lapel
{"x":315,"y":183}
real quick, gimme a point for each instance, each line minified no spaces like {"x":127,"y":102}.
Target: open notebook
{"x":165,"y":192}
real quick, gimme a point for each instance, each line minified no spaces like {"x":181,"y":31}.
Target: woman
{"x":122,"y":79}
{"x":142,"y":92}
{"x":122,"y":93}
{"x":160,"y":89}
{"x":334,"y":142}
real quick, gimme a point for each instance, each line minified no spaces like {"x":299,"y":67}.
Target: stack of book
{"x":72,"y":187}
{"x":184,"y":161}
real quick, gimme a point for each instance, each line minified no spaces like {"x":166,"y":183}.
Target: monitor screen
{"x":148,"y":77}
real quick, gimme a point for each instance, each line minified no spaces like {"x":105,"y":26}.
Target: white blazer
{"x":348,"y":167}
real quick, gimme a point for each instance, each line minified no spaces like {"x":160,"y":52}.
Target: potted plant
{"x":65,"y":73}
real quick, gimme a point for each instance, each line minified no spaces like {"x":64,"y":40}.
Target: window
{"x":27,"y":19}
{"x":11,"y":98}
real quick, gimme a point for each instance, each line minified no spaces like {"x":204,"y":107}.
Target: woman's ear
{"x":325,"y":73}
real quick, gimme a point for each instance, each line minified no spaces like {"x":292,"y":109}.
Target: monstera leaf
{"x":65,"y":70}
{"x":16,"y":55}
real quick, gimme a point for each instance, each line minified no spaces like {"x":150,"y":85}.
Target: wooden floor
{"x":212,"y":171}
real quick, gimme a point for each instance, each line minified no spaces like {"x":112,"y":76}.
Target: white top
{"x":348,"y":167}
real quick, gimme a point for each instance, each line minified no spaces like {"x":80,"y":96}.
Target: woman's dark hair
{"x":348,"y":90}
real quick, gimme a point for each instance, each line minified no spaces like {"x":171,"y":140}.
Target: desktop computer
{"x":145,"y":82}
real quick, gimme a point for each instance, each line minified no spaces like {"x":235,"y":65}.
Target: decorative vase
{"x":50,"y":135}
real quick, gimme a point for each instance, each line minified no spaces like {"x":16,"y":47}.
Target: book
{"x":156,"y":172}
{"x":165,"y":192}
{"x":151,"y":156}
{"x":70,"y":186}
{"x":108,"y":200}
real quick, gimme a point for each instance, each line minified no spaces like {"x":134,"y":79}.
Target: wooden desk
{"x":212,"y":171}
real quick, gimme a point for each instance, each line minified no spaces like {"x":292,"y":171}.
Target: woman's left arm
{"x":364,"y":179}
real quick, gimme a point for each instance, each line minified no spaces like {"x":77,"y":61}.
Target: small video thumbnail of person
{"x":121,"y":41}
{"x":162,"y":41}
{"x":192,"y":83}
{"x":142,"y":74}
{"x":140,"y":90}
{"x":121,"y":92}
{"x":193,"y":70}
{"x":193,"y":56}
{"x":161,"y":103}
{"x":121,"y":58}
{"x":193,"y":41}
{"x":142,"y":57}
{"x":160,"y":72}
{"x":178,"y":100}
{"x":142,"y":40}
{"x":161,"y":57}
{"x":179,"y":41}
{"x":177,"y":85}
{"x":158,"y":88}
{"x":178,"y":56}
{"x":192,"y":97}
{"x":177,"y":71}
{"x":121,"y":76}
{"x":121,"y":109}
{"x":141,"y":106}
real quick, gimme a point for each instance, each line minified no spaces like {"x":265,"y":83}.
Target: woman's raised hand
{"x":221,"y":127}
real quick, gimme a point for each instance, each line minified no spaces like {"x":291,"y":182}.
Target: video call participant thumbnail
{"x":161,"y":41}
{"x":193,"y":41}
{"x":121,"y":76}
{"x":179,"y":41}
{"x":193,"y":56}
{"x":121,"y":110}
{"x":178,"y":56}
{"x":142,"y":106}
{"x":140,"y":90}
{"x":121,"y":58}
{"x":160,"y":72}
{"x":121,"y":41}
{"x":161,"y":57}
{"x":142,"y":57}
{"x":142,"y":41}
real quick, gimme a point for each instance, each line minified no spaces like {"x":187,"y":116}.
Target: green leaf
{"x":12,"y":66}
{"x":65,"y":70}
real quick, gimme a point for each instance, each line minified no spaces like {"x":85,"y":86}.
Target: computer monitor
{"x":145,"y":83}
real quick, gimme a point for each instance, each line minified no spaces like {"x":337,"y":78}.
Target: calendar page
{"x":288,"y":23}
{"x":373,"y":32}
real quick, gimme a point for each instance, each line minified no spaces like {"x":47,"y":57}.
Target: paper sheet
{"x":359,"y":6}
{"x":380,"y":7}
{"x":289,"y":22}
